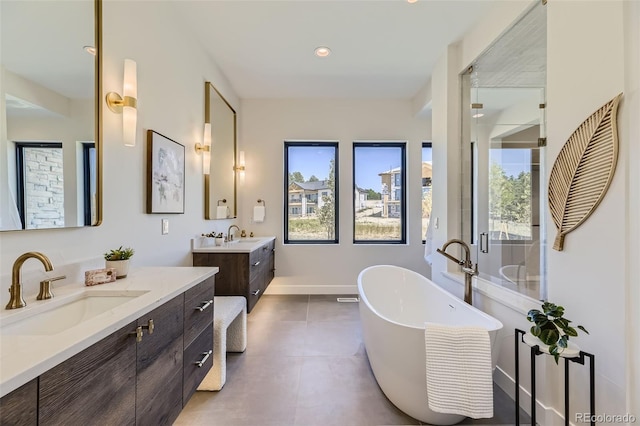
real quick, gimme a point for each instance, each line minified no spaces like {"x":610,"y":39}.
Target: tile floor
{"x":306,"y":365}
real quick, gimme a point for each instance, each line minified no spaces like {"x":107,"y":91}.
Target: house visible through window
{"x":379,"y":176}
{"x":311,"y":192}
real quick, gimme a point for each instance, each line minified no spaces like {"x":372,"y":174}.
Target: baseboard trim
{"x":312,"y":289}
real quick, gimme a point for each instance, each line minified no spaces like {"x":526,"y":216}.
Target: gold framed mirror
{"x":220,"y":183}
{"x":50,"y":115}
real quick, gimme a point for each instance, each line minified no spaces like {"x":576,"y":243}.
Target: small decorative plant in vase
{"x":119,"y":259}
{"x":552,"y":329}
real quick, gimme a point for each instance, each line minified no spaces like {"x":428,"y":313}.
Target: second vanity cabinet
{"x":241,"y":273}
{"x":143,"y":374}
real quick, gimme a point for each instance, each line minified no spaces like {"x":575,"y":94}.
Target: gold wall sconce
{"x":240,"y":168}
{"x":127,"y":104}
{"x":204,"y":148}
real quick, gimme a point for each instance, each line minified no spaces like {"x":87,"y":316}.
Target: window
{"x":513,"y":199}
{"x":427,"y":195}
{"x":311,"y":188}
{"x":379,"y":177}
{"x":41,"y":188}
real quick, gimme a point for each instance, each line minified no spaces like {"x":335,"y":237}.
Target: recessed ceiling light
{"x":90,"y":49}
{"x":478,"y":115}
{"x":412,"y":1}
{"x":322,"y":51}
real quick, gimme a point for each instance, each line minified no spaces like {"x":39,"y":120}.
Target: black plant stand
{"x":535,"y":350}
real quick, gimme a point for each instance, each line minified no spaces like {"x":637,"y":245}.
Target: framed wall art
{"x":165,"y":174}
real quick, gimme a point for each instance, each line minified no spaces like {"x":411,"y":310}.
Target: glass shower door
{"x":506,"y":128}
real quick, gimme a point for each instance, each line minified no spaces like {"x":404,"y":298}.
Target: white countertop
{"x":240,"y":245}
{"x":23,"y":358}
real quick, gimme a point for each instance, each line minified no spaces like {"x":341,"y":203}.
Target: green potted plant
{"x":552,"y":329}
{"x":119,"y":260}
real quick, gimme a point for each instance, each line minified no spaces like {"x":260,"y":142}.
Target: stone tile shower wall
{"x":44,"y":188}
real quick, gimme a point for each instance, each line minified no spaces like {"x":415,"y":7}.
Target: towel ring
{"x":223,"y":201}
{"x":262,"y":201}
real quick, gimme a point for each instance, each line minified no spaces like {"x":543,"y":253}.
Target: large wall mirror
{"x":50,"y":153}
{"x":220,"y":184}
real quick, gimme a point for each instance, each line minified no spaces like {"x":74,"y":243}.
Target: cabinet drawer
{"x":193,"y":371}
{"x":254,"y":293}
{"x":197,"y":314}
{"x":255,"y":263}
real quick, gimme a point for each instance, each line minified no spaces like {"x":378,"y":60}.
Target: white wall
{"x":594,"y":277}
{"x":589,"y":276}
{"x":632,"y":133}
{"x":265,"y":124}
{"x":172,"y":70}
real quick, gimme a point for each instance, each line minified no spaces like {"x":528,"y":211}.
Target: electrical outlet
{"x":165,"y":226}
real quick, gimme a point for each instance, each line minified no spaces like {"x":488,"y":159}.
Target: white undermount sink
{"x":251,"y":240}
{"x":53,"y":317}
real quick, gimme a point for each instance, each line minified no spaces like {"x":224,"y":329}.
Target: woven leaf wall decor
{"x":583,"y":170}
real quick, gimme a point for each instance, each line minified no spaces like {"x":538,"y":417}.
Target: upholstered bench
{"x":229,"y":335}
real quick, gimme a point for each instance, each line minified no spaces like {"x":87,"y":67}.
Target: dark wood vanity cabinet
{"x":20,"y":407}
{"x":241,"y":274}
{"x":120,"y":380}
{"x":142,"y":374}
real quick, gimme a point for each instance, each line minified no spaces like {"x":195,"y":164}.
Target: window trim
{"x":334,"y":145}
{"x":403,"y":179}
{"x":86,"y":180}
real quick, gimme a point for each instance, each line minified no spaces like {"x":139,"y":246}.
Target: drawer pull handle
{"x":138,"y":334}
{"x":205,"y":356}
{"x":206,"y":304}
{"x":150,"y":327}
{"x":256,"y":264}
{"x":255,"y":293}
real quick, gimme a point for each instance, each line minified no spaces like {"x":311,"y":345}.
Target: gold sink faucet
{"x":16,"y":300}
{"x":229,"y":234}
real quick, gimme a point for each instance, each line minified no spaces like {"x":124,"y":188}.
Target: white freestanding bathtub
{"x":394,"y":304}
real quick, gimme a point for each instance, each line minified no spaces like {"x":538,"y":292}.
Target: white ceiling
{"x":382,"y":49}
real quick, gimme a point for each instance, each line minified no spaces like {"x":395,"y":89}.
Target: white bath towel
{"x":258,"y":213}
{"x":222,"y":212}
{"x":459,"y":373}
{"x":428,"y":242}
